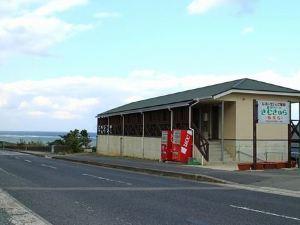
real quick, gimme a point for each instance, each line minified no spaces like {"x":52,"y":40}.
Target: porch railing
{"x":201,"y":142}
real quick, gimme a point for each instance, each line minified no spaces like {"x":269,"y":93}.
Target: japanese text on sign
{"x":273,"y":112}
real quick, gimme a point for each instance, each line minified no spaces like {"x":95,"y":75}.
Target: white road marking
{"x":129,"y":189}
{"x":9,"y":153}
{"x":26,"y":160}
{"x":49,"y":166}
{"x":18,"y":213}
{"x":268,"y":190}
{"x":106,"y":179}
{"x":4,"y":171}
{"x":8,"y":173}
{"x":265,"y":212}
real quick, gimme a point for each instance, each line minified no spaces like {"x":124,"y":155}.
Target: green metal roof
{"x":189,"y":96}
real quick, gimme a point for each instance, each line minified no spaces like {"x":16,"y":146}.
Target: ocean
{"x":36,"y":136}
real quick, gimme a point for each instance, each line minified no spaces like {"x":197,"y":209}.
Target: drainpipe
{"x":190,"y":126}
{"x":123,"y":133}
{"x":171,"y":117}
{"x":143,"y":134}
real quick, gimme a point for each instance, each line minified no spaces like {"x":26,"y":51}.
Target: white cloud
{"x":55,"y":6}
{"x":64,"y":115}
{"x":203,"y":6}
{"x":200,"y":6}
{"x":73,"y":102}
{"x":32,"y":26}
{"x":36,"y":113}
{"x":247,"y":30}
{"x":101,"y":15}
{"x":41,"y":101}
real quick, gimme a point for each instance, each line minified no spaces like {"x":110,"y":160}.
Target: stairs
{"x":215,"y":151}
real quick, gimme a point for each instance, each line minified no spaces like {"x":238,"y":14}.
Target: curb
{"x":187,"y":176}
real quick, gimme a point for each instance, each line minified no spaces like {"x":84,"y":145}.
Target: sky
{"x":63,"y":62}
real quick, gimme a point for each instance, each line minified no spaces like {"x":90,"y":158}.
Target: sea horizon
{"x":37,"y":136}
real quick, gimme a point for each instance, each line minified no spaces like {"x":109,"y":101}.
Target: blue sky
{"x":62,"y":62}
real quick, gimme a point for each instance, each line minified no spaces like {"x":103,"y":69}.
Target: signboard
{"x":273,"y":112}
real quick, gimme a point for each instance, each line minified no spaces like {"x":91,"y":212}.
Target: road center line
{"x":106,"y":179}
{"x":265,"y":212}
{"x":26,"y":160}
{"x":49,"y":166}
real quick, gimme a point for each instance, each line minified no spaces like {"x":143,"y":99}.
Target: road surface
{"x":66,"y":193}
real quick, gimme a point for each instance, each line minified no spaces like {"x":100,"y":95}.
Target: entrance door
{"x":215,"y":122}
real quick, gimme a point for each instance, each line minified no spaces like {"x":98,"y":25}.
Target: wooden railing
{"x":201,"y":142}
{"x":295,"y":130}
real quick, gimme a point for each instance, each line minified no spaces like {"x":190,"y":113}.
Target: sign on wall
{"x":273,"y":112}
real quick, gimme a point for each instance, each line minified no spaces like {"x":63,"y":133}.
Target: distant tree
{"x":75,"y":140}
{"x":85,"y":138}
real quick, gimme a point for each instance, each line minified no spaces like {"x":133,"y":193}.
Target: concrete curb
{"x":188,"y":176}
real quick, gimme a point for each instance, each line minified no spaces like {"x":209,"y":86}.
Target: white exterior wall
{"x":129,"y":146}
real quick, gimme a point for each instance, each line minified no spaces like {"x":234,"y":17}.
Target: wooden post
{"x":143,"y":135}
{"x":254,"y":135}
{"x":222,"y":133}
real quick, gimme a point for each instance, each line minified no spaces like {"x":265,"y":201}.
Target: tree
{"x":85,"y":138}
{"x":75,"y":140}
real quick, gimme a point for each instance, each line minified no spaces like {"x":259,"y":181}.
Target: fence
{"x":30,"y":147}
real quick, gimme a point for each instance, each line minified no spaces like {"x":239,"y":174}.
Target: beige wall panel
{"x":102,"y":144}
{"x":114,"y":145}
{"x":244,"y":116}
{"x":272,"y":131}
{"x":229,"y":120}
{"x":152,"y":148}
{"x":132,"y":146}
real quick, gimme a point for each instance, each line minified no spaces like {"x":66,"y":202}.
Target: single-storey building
{"x":220,"y":115}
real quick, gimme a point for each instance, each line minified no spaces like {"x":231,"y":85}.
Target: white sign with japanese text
{"x":273,"y":112}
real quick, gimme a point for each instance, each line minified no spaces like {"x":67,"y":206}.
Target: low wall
{"x":267,"y":150}
{"x":138,"y":147}
{"x":149,"y":148}
{"x":230,"y":148}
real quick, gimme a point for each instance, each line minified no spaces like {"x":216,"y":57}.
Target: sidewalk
{"x":281,"y":179}
{"x":288,"y":179}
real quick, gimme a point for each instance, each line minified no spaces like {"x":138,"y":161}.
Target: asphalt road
{"x":65,"y":193}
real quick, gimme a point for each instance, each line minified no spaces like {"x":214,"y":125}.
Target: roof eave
{"x":222,"y":94}
{"x":147,"y":109}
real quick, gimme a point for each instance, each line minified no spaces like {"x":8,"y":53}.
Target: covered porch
{"x":214,"y":122}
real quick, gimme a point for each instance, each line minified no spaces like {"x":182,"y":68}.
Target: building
{"x":221,"y":116}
